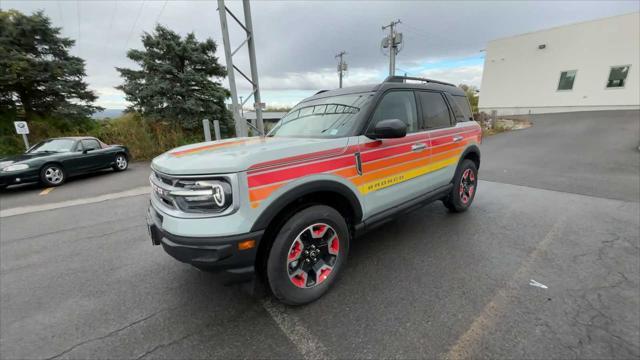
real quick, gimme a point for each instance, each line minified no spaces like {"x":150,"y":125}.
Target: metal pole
{"x":207,"y":129}
{"x":252,"y":62}
{"x":392,"y":51}
{"x":239,"y":122}
{"x":216,"y":129}
{"x":341,"y":66}
{"x":392,"y":46}
{"x":26,"y":141}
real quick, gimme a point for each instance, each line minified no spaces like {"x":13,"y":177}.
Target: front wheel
{"x":465,"y":183}
{"x":307,"y":255}
{"x":121,"y":163}
{"x":52,"y":175}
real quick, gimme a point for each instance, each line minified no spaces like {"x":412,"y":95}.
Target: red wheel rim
{"x":312,"y":255}
{"x":467,"y":186}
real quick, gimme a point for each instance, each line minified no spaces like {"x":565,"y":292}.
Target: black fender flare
{"x":292,"y":195}
{"x":471,"y":149}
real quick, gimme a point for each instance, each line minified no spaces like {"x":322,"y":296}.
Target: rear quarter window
{"x":463,"y":105}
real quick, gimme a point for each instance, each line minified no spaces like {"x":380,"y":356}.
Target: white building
{"x":592,"y":65}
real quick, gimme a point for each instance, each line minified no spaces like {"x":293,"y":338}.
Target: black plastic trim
{"x":471,"y":149}
{"x":389,"y":214}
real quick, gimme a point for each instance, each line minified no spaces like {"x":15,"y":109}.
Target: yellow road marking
{"x":46,"y":191}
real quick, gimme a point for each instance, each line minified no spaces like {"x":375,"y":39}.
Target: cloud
{"x":470,"y":75}
{"x":296,"y":41}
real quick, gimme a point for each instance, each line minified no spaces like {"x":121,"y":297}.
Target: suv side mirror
{"x":388,"y":129}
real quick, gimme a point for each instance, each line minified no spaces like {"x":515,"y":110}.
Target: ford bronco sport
{"x":287,"y":205}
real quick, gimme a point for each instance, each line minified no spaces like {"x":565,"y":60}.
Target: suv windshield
{"x":55,"y":145}
{"x":328,"y":117}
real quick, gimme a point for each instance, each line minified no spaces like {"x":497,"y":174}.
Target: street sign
{"x":259,"y":105}
{"x":21,"y":127}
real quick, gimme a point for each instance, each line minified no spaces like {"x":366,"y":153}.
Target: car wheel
{"x":121,"y":163}
{"x":307,"y":255}
{"x":52,"y":175}
{"x":465,"y":185}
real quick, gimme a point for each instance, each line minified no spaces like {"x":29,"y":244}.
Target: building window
{"x":566,"y":80}
{"x":618,"y":76}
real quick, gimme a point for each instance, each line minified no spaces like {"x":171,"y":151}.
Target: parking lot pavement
{"x":83,"y":282}
{"x":84,"y":186}
{"x":591,"y":153}
{"x":546,"y":264}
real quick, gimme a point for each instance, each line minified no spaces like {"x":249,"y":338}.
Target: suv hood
{"x":240,"y":154}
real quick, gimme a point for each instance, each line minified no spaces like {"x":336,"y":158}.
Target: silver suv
{"x":287,"y":205}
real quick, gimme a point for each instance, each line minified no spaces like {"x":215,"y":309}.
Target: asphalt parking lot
{"x":558,"y":205}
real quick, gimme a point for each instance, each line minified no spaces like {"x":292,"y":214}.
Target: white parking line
{"x":75,"y":202}
{"x":467,"y":345}
{"x":307,"y":344}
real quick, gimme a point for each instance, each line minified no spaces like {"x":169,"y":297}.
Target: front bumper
{"x":18,"y":177}
{"x":207,"y":253}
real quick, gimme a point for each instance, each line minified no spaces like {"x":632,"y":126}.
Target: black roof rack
{"x":403,"y":79}
{"x":320,"y":92}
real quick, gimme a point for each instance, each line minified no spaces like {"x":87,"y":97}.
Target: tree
{"x":38,"y":76}
{"x":177,"y":80}
{"x":472,"y":94}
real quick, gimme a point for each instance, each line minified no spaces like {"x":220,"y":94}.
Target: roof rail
{"x":403,"y":79}
{"x":320,"y":92}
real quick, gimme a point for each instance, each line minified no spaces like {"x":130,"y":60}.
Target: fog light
{"x":17,"y":179}
{"x":246,"y":245}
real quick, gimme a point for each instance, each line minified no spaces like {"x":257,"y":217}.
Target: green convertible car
{"x":52,"y":161}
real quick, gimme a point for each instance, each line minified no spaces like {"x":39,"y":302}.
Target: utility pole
{"x":392,"y":41}
{"x":241,"y":123}
{"x":342,"y":66}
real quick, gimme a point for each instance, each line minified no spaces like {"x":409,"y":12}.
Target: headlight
{"x":204,"y":196}
{"x":16,"y":167}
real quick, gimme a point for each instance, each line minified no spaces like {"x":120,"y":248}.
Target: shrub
{"x":145,"y":139}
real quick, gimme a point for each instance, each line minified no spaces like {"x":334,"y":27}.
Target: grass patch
{"x":145,"y":139}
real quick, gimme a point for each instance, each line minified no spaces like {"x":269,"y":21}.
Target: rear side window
{"x":398,"y":105}
{"x":435,"y":112}
{"x":90,"y":144}
{"x":463,"y":104}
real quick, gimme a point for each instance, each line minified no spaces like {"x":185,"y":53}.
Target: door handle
{"x":418,"y":147}
{"x":457,"y":138}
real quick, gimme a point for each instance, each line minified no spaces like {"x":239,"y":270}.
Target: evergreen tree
{"x":178,"y":80}
{"x":38,"y":76}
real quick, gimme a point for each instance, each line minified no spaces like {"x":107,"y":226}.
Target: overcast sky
{"x":297,"y":40}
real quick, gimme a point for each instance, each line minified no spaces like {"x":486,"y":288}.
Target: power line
{"x":61,"y":14}
{"x":78,"y":13}
{"x":107,"y":34}
{"x":126,"y":44}
{"x":161,"y":11}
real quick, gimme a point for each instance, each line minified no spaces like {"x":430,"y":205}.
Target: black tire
{"x":52,"y":175}
{"x":462,"y":195}
{"x":306,"y":225}
{"x":121,"y":162}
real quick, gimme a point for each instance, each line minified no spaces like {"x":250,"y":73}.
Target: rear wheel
{"x":121,"y":163}
{"x":307,"y":255}
{"x":465,"y":183}
{"x":52,"y":175}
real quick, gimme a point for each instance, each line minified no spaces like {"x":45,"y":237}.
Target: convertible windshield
{"x":54,"y":145}
{"x":328,"y":117}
